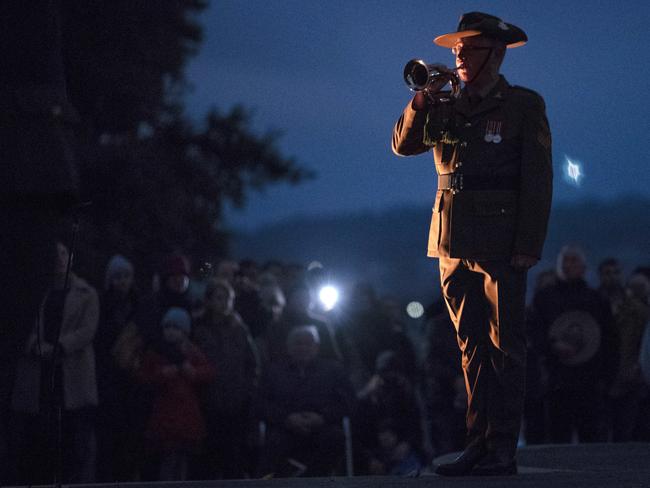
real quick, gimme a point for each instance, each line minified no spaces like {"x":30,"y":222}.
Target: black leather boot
{"x":496,"y":463}
{"x":463,"y":464}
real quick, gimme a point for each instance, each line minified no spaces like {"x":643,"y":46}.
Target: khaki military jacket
{"x":502,"y":147}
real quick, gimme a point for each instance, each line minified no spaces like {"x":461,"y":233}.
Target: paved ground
{"x":551,"y":466}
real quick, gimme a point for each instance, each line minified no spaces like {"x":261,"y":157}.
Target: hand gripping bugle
{"x":430,"y":78}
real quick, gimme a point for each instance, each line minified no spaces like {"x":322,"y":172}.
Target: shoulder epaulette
{"x":531,"y":96}
{"x":526,"y":90}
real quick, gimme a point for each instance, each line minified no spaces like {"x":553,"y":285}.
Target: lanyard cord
{"x":487,"y":58}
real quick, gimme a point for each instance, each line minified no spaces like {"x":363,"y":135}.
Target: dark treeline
{"x":157,"y":182}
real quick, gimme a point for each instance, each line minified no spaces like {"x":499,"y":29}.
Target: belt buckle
{"x":456,"y":182}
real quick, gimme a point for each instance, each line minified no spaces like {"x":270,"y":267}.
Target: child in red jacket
{"x":175,"y":367}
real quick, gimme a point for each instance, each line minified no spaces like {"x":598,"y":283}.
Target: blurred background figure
{"x":390,"y":397}
{"x":627,"y":389}
{"x":365,"y":333}
{"x":302,"y":401}
{"x":227,"y":398}
{"x":398,"y":338}
{"x":143,"y":333}
{"x":247,"y":297}
{"x":57,"y":371}
{"x":174,"y":292}
{"x":578,"y":347}
{"x":394,"y":456}
{"x":175,"y":367}
{"x":117,"y":424}
{"x":297,"y":313}
{"x":610,"y":276}
{"x":227,"y":269}
{"x":535,"y":421}
{"x":274,"y":303}
{"x":444,"y":384}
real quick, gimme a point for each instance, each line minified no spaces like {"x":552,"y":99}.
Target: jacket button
{"x":468,"y":124}
{"x":463,"y":144}
{"x":503,"y":210}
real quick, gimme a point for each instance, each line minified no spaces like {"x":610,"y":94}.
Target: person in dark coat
{"x":627,"y":390}
{"x":227,"y":343}
{"x":117,"y":442}
{"x":610,"y":286}
{"x":491,"y":145}
{"x":575,"y":326}
{"x":298,"y":313}
{"x":389,"y":397}
{"x":303,"y":401}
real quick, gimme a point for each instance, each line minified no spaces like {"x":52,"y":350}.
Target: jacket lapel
{"x":462,"y":104}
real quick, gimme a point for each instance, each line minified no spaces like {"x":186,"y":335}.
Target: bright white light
{"x":415,"y":310}
{"x":328,"y":296}
{"x":573,"y":171}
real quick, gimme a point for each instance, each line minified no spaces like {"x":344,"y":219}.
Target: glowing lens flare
{"x":329,"y":296}
{"x":415,"y":310}
{"x":573,"y":172}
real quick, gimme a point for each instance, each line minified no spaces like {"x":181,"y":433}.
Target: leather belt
{"x":462,"y":182}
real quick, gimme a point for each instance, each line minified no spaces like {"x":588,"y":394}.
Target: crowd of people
{"x":240,"y":375}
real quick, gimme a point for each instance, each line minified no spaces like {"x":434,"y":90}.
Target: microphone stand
{"x":57,"y":398}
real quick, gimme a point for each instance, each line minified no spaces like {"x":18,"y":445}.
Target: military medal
{"x":493,"y":132}
{"x":497,"y":133}
{"x":489,"y":135}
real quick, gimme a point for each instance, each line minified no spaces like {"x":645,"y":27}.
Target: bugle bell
{"x":420,"y":76}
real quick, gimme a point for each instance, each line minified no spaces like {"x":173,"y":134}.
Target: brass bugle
{"x":419,"y":75}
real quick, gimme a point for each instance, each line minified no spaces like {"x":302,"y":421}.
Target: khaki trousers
{"x":486,"y":303}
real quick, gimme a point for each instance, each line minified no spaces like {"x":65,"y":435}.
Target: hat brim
{"x":451,"y":39}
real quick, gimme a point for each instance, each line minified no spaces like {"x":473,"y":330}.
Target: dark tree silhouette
{"x":157,"y":182}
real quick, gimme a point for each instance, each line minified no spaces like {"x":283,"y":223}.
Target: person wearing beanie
{"x":116,"y":345}
{"x":491,"y":146}
{"x":147,"y":334}
{"x":175,"y":368}
{"x":179,"y":319}
{"x":174,"y":272}
{"x":118,"y":271}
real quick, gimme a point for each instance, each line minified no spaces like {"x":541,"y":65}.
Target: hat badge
{"x":502,"y":25}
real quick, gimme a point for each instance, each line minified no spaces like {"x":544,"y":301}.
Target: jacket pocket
{"x":494,"y":222}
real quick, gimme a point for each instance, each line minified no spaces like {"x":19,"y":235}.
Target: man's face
{"x":475,"y":55}
{"x":122,"y":282}
{"x":221,"y":301}
{"x":573,"y":267}
{"x":302,"y":348}
{"x":611,"y":276}
{"x":61,"y":263}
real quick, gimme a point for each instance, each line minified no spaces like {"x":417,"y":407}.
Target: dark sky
{"x":328,"y":74}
